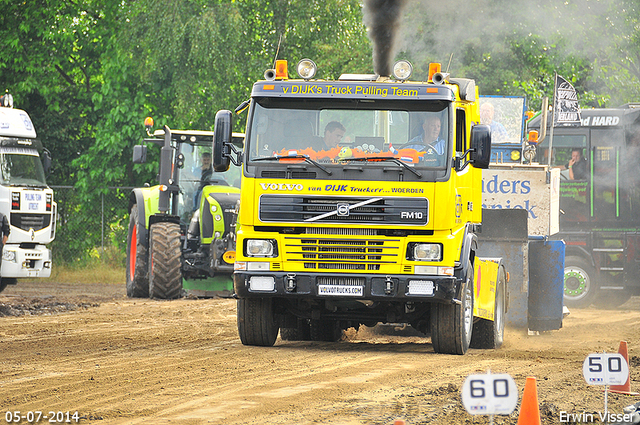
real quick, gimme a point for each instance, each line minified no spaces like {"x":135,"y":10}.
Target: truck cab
{"x":377,"y":228}
{"x":599,"y":202}
{"x":25,"y":198}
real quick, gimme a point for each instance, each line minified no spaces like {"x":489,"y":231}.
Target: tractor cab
{"x":193,"y":206}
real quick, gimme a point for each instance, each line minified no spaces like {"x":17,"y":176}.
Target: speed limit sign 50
{"x":605,"y":369}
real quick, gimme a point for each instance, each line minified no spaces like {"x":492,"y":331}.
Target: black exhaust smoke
{"x":382,"y":17}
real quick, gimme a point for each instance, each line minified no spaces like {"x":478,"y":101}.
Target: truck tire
{"x":137,"y":257}
{"x":325,"y":330}
{"x":165,"y":261}
{"x":5,"y":281}
{"x":257,"y":323}
{"x":608,"y":299}
{"x":452,"y":324}
{"x":489,"y":334}
{"x":302,"y":332}
{"x":579,"y":282}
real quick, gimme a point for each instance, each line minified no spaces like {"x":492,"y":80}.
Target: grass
{"x":98,"y":266}
{"x":93,"y":273}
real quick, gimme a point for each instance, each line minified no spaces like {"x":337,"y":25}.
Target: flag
{"x":566,"y":109}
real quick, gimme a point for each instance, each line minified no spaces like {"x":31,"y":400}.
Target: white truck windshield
{"x":21,"y":167}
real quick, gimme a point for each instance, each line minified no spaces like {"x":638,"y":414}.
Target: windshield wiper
{"x":297,"y":156}
{"x":384,"y":158}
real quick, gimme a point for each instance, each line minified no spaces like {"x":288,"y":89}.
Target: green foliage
{"x":88,"y":71}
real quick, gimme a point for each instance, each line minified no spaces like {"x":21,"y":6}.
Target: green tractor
{"x":181,"y":234}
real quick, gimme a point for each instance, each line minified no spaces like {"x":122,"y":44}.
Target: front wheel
{"x":165,"y":261}
{"x":452,"y":324}
{"x":579,"y":282}
{"x":3,"y":283}
{"x":257,"y":324}
{"x":137,"y":257}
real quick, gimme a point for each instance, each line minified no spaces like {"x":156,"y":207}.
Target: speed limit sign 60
{"x":489,"y":394}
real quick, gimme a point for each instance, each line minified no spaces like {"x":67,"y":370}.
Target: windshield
{"x":197,"y":173}
{"x":21,"y":167}
{"x":337,"y":131}
{"x":505,"y":116}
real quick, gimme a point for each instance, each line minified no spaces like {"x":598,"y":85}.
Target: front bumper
{"x":375,"y":287}
{"x":26,"y":262}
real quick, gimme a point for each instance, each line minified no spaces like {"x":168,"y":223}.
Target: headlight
{"x":402,"y":70}
{"x":307,"y":69}
{"x":9,"y":256}
{"x":427,"y":252}
{"x":260,"y":248}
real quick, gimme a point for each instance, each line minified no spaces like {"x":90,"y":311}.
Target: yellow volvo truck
{"x":361,"y":199}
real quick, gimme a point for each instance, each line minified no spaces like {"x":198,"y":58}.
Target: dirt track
{"x":121,"y":361}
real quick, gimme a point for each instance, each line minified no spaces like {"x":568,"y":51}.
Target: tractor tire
{"x":325,"y":330}
{"x":165,"y":261}
{"x":452,"y":324}
{"x":137,"y":257}
{"x":257,"y":323}
{"x":489,"y":334}
{"x":3,"y":284}
{"x":302,"y":332}
{"x":579,"y":282}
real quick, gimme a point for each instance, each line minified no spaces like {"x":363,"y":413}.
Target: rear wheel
{"x":165,"y":261}
{"x":611,"y":298}
{"x":490,"y":333}
{"x":257,"y":324}
{"x":579,"y":282}
{"x":452,"y":324}
{"x":302,"y":332}
{"x":137,"y":256}
{"x":325,"y":330}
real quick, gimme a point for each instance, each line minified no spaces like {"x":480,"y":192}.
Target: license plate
{"x":341,"y":290}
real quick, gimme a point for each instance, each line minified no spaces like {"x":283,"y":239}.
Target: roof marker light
{"x":6,"y":100}
{"x":281,"y":70}
{"x":433,"y":69}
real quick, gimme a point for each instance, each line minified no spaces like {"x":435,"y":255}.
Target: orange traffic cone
{"x":398,"y":422}
{"x":529,"y":410}
{"x":626,"y":387}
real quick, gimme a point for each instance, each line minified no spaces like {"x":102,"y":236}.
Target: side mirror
{"x":139,"y":154}
{"x":480,"y":146}
{"x":46,"y":162}
{"x":222,"y":141}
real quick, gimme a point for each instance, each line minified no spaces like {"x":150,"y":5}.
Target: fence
{"x":93,"y":231}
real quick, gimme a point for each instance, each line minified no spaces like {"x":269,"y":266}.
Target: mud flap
{"x":485,"y":280}
{"x":546,"y":284}
{"x":504,"y":235}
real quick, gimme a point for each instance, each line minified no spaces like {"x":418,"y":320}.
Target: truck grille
{"x":341,"y":254}
{"x":30,"y":221}
{"x":349,"y":281}
{"x":345,"y":210}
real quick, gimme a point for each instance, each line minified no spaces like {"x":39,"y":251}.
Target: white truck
{"x":25,"y":198}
